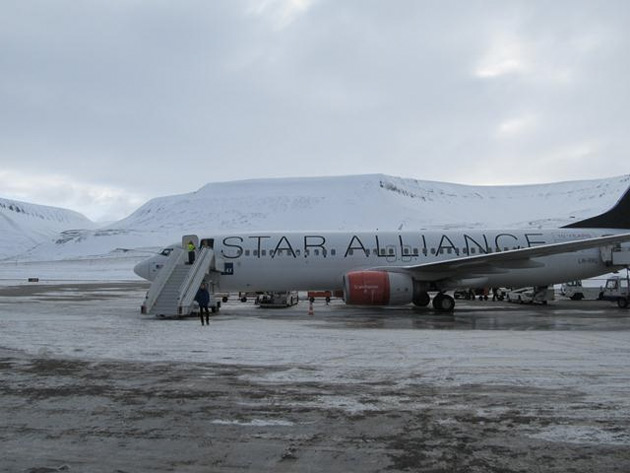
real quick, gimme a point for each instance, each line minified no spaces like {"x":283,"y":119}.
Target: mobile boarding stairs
{"x":173,"y":291}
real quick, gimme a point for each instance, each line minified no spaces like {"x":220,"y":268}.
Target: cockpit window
{"x":166,"y":251}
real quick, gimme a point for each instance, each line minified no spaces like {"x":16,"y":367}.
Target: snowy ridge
{"x":23,"y":225}
{"x":364,"y":202}
{"x":373,"y":202}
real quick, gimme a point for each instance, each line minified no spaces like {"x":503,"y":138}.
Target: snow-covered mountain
{"x":24,"y":225}
{"x":365,"y":202}
{"x":372,"y":202}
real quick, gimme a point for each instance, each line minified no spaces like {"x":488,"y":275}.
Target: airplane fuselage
{"x":319,"y":260}
{"x":402,"y":267}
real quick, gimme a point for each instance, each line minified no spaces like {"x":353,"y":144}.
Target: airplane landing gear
{"x":443,"y":303}
{"x":422,"y":299}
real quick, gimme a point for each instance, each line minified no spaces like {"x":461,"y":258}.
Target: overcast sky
{"x":107,"y":103}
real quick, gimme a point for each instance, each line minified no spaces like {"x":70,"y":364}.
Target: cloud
{"x":517,"y":126}
{"x":146,"y":98}
{"x":281,"y":13}
{"x":97,"y":202}
{"x":505,"y":55}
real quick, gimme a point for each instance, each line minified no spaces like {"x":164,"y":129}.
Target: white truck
{"x":531,"y":295}
{"x":616,"y":290}
{"x":576,"y":291}
{"x":277,"y":299}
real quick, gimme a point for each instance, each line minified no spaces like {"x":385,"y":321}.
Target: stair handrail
{"x":192,"y":281}
{"x":176,"y":257}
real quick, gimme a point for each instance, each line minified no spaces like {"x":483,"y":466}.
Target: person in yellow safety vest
{"x":191,"y":252}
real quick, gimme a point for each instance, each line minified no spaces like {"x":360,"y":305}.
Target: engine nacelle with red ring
{"x":377,"y":288}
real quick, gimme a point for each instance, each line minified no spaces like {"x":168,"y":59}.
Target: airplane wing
{"x":500,"y":262}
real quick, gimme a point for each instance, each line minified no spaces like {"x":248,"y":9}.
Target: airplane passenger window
{"x":406,"y":251}
{"x":432,"y":251}
{"x":263,"y":252}
{"x":255,"y":252}
{"x":316,"y":252}
{"x":351,"y":252}
{"x":297,"y":252}
{"x":246,"y":252}
{"x":333,"y":252}
{"x":391,"y":251}
{"x":415,"y":251}
{"x":382,"y":251}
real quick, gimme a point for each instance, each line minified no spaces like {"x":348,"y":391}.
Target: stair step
{"x":168,"y":300}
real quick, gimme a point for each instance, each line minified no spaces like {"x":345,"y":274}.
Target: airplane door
{"x":187,"y":238}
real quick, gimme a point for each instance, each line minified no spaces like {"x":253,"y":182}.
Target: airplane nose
{"x":142,"y":269}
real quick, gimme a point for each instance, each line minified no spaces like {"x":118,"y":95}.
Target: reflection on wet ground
{"x":558,"y":315}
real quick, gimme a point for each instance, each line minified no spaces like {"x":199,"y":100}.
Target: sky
{"x":105,"y":104}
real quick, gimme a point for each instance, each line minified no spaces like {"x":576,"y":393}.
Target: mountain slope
{"x":372,"y":202}
{"x":24,"y":225}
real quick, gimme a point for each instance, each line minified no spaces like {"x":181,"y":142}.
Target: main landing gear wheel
{"x":443,"y":303}
{"x":422,"y":300}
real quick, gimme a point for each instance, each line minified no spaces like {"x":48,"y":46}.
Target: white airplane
{"x":394,"y":268}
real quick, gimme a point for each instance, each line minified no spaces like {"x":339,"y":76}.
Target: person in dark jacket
{"x":203,"y":299}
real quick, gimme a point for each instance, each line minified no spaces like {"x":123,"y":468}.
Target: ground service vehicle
{"x":575,"y":291}
{"x":616,"y":290}
{"x":278,"y":299}
{"x":531,"y":295}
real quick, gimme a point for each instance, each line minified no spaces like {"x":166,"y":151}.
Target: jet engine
{"x":377,"y":288}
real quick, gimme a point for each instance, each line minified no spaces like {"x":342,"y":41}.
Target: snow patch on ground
{"x":117,"y":266}
{"x":582,"y":435}
{"x":254,"y":423}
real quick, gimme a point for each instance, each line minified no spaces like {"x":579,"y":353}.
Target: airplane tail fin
{"x":616,"y":217}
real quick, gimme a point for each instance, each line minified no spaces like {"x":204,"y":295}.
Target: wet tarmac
{"x":560,"y":314}
{"x":90,"y":385}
